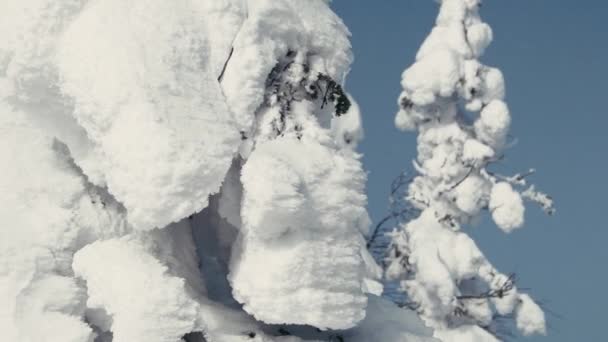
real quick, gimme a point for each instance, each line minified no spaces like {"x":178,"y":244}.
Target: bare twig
{"x":398,"y":206}
{"x":221,"y":76}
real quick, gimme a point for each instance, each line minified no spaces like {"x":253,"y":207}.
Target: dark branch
{"x":221,"y":76}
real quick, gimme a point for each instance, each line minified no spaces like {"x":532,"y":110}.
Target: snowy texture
{"x":301,"y":224}
{"x":466,"y":334}
{"x":160,"y":152}
{"x":507,"y":207}
{"x":529,"y":316}
{"x":272,"y":29}
{"x":156,"y":75}
{"x":158,"y":308}
{"x":347,"y":129}
{"x":303,"y":204}
{"x":457,"y":106}
{"x":50,"y":212}
{"x":386,"y":322}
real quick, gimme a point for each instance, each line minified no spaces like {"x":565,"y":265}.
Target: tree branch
{"x":221,"y":76}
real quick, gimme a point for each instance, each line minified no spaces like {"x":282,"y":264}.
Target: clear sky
{"x":553,"y":54}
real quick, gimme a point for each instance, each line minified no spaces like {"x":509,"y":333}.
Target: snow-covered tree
{"x":456,"y":104}
{"x":302,"y":204}
{"x":183,"y":171}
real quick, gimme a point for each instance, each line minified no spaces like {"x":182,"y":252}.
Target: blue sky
{"x":553,"y":54}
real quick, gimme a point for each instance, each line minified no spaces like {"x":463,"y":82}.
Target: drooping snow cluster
{"x":457,"y":106}
{"x":157,"y":151}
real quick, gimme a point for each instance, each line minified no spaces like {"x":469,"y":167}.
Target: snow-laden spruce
{"x":158,"y":152}
{"x":457,"y":106}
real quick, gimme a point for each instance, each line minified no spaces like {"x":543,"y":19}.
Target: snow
{"x":52,"y":212}
{"x":272,"y":28}
{"x":470,"y":195}
{"x":166,"y":298}
{"x":507,"y":303}
{"x":507,"y":207}
{"x":123,"y":119}
{"x":302,"y":204}
{"x":542,"y":199}
{"x":435,"y":75}
{"x":387,"y":322}
{"x":443,"y":257}
{"x":124,"y":123}
{"x":301,"y":221}
{"x":493,"y":123}
{"x":529,"y":317}
{"x":475,"y":151}
{"x":182,"y":167}
{"x":466,"y":334}
{"x":231,"y":194}
{"x":158,"y":308}
{"x":479,"y":37}
{"x":347,"y":129}
{"x":149,"y":99}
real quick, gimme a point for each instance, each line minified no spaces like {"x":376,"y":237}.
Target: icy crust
{"x":151,"y":105}
{"x":301,"y":224}
{"x":272,"y":28}
{"x":50,"y":212}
